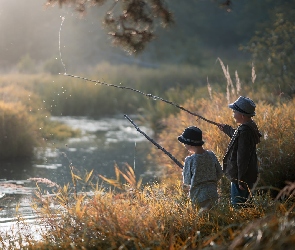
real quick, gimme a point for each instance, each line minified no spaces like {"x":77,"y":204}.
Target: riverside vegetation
{"x":130,"y":215}
{"x":28,"y":101}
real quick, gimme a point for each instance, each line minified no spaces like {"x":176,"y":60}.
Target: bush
{"x":26,"y":64}
{"x":25,"y":120}
{"x":18,"y":131}
{"x":53,"y":66}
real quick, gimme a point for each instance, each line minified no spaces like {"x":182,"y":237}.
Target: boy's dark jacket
{"x":240,"y":160}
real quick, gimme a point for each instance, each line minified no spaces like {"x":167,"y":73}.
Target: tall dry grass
{"x":275,"y":119}
{"x":24,"y":119}
{"x":19,"y":132}
{"x":154,"y":216}
{"x":84,"y":215}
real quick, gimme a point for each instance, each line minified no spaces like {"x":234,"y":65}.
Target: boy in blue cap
{"x":240,"y":163}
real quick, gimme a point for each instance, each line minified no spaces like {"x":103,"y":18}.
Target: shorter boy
{"x":201,"y":171}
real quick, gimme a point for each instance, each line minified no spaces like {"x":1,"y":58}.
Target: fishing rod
{"x":142,"y":93}
{"x":155,"y":143}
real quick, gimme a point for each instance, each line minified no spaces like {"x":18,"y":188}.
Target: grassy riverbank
{"x":156,"y":216}
{"x":28,"y":100}
{"x":83,"y":215}
{"x":24,"y":120}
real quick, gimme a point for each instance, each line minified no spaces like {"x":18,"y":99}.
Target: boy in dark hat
{"x":240,"y":164}
{"x":201,"y":171}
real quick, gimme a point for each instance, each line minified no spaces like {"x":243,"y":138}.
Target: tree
{"x":131,"y":23}
{"x":273,"y":49}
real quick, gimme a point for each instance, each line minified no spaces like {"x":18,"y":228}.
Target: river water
{"x":103,"y":143}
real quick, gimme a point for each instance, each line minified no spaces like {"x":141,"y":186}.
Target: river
{"x":103,"y":143}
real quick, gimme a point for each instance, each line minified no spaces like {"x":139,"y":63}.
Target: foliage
{"x":25,"y":120}
{"x":275,"y":120}
{"x":43,"y":95}
{"x":66,"y":95}
{"x":129,"y":177}
{"x":272,"y":51}
{"x":18,"y":131}
{"x":26,"y":64}
{"x":52,"y":130}
{"x":155,"y":216}
{"x":53,"y":66}
{"x":84,"y":42}
{"x":130,"y":23}
{"x":277,"y":151}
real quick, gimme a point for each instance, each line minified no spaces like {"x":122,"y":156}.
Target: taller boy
{"x":240,"y":164}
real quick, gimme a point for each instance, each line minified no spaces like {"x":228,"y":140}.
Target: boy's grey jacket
{"x":240,"y":160}
{"x":202,"y":172}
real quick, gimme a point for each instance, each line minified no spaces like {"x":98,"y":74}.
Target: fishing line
{"x":142,"y":93}
{"x":59,"y":35}
{"x":127,"y":88}
{"x":134,"y":155}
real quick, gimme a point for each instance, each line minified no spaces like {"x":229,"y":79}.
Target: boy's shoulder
{"x":210,"y":152}
{"x":244,"y":127}
{"x":189,"y":157}
{"x":251,"y":129}
{"x":248,"y":126}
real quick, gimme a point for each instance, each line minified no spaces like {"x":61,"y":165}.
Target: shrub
{"x":26,"y":64}
{"x":25,"y":120}
{"x":53,"y":66}
{"x":18,"y":131}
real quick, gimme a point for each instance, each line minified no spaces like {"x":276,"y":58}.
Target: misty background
{"x":201,"y":33}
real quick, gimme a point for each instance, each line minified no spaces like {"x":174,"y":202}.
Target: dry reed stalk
{"x":238,"y":83}
{"x":209,"y":89}
{"x":45,"y":181}
{"x":253,"y":74}
{"x":287,"y":191}
{"x":228,"y":79}
{"x":239,"y":240}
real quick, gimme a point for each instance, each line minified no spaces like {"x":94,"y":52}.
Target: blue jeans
{"x":239,"y":196}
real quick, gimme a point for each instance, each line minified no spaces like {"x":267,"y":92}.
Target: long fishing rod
{"x":155,"y":143}
{"x":147,"y":95}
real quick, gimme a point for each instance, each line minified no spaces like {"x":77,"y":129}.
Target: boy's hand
{"x":185,"y":188}
{"x":221,"y":126}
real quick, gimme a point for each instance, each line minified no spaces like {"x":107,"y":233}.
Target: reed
{"x":24,"y":119}
{"x":18,"y":132}
{"x":274,"y":118}
{"x":154,"y":216}
{"x":128,"y":215}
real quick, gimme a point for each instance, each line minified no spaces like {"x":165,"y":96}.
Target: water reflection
{"x":102,"y":144}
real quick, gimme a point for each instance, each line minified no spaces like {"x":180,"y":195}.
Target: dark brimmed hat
{"x":191,"y":136}
{"x":243,"y":105}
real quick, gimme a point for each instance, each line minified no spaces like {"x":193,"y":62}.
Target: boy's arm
{"x":227,"y":129}
{"x":187,"y":172}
